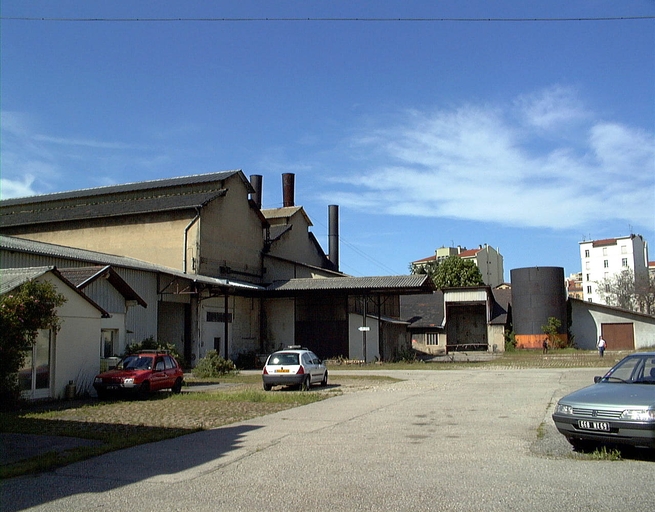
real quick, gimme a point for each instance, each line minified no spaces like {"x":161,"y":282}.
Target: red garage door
{"x":618,"y":336}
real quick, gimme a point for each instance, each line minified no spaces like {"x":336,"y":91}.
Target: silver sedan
{"x":619,"y":409}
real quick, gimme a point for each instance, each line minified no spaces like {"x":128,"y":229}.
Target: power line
{"x":329,"y":19}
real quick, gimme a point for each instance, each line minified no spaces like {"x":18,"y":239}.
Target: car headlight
{"x":563,"y":409}
{"x":638,"y":415}
{"x":128,"y":380}
{"x":97,"y":380}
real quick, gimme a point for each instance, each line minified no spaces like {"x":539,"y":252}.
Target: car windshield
{"x":284,"y":358}
{"x":638,"y":369}
{"x":137,"y":363}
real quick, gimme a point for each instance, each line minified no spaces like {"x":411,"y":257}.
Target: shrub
{"x":151,"y":343}
{"x":510,"y":341}
{"x":213,"y":365}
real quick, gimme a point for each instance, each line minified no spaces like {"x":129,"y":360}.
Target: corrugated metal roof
{"x":412,"y":283}
{"x":94,"y":208}
{"x":98,"y":258}
{"x":128,"y":187}
{"x":12,"y":278}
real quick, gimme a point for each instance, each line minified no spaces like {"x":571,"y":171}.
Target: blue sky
{"x":529,"y":136}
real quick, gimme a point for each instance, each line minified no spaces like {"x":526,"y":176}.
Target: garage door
{"x":618,"y":336}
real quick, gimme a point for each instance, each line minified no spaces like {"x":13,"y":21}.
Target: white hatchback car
{"x":295,"y":366}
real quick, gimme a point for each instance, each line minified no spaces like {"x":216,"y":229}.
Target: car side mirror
{"x":597,"y":379}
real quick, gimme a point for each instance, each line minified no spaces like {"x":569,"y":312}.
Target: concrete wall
{"x":76,"y":352}
{"x":133,"y":236}
{"x":280,"y":323}
{"x":231,"y":236}
{"x":587,"y":320}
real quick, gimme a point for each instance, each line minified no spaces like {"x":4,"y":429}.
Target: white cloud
{"x":551,"y":107}
{"x":16,"y":188}
{"x":478,"y":163}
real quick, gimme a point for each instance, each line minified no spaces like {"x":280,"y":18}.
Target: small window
{"x":624,"y":249}
{"x":586,"y":253}
{"x":432,"y":338}
{"x":588,"y":289}
{"x":624,"y":262}
{"x":606,"y":263}
{"x":109,"y":347}
{"x":588,"y":277}
{"x":604,"y":251}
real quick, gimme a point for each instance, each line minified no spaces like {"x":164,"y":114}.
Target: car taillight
{"x":300,"y":371}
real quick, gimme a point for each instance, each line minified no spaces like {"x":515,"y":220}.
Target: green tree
{"x":619,"y":290}
{"x":454,"y":272}
{"x":551,"y":330}
{"x":23,"y":312}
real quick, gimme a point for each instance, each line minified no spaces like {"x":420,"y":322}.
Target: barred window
{"x":432,"y":338}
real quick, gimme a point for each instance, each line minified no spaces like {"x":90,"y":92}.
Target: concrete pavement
{"x":439,"y":440}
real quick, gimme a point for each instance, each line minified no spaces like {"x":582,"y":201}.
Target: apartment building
{"x":486,"y":258}
{"x":602,"y":259}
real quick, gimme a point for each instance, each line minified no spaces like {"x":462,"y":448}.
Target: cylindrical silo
{"x":537,"y":294}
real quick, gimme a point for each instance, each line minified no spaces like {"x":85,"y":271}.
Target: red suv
{"x":139,"y":374}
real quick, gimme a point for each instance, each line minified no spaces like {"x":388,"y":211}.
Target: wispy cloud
{"x":543,"y":160}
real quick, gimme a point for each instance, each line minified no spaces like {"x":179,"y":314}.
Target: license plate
{"x":282,"y":371}
{"x":111,"y":388}
{"x":594,"y":425}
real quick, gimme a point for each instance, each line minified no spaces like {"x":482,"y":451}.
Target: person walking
{"x":601,"y":345}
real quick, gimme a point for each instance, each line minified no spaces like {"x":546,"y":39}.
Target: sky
{"x":528,"y":126}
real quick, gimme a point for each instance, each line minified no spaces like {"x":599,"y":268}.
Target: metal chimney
{"x":288,"y":192}
{"x":256,"y":182}
{"x":333,"y":234}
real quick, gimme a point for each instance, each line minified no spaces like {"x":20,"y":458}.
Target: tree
{"x":23,"y":312}
{"x":551,"y":330}
{"x":625,"y":291}
{"x":454,"y":271}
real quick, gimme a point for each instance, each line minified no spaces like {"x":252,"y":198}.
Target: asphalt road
{"x":451,"y":440}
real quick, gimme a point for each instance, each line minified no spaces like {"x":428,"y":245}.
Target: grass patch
{"x":604,"y":454}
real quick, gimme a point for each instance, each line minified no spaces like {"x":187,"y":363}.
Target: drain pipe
{"x":186,"y":238}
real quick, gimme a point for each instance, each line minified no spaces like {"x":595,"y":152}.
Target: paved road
{"x":453,"y":440}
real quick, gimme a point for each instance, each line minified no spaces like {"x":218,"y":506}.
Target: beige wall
{"x":154,"y":238}
{"x":231,"y":234}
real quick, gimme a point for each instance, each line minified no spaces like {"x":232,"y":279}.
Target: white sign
{"x":364,"y":329}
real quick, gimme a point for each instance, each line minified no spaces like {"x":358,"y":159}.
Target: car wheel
{"x":324,"y":381}
{"x":177,"y":387}
{"x":267,"y":387}
{"x":144,"y":391}
{"x":306,"y":384}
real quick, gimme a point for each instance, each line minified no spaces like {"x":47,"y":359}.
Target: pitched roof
{"x":81,"y":277}
{"x":414,"y":283}
{"x":170,"y":194}
{"x":285,"y":212}
{"x":12,"y":278}
{"x":468,"y":253}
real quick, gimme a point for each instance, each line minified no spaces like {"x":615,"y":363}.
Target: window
{"x":588,"y":265}
{"x":431,"y":338}
{"x":588,"y":289}
{"x":604,"y":251}
{"x":586,"y":253}
{"x":109,"y":342}
{"x":624,"y":249}
{"x":588,"y":277}
{"x":624,"y":262}
{"x":606,"y":263}
{"x":215,"y":316}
